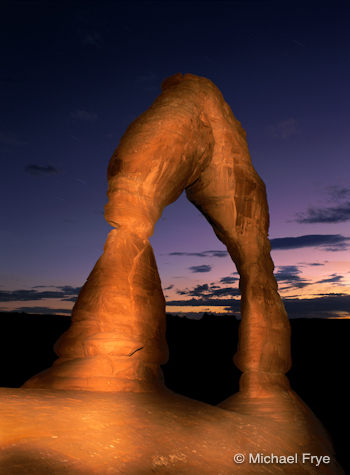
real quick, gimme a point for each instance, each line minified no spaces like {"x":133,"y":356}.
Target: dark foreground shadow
{"x":200,"y":364}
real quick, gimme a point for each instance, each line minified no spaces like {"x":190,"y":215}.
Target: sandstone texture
{"x":187,"y":140}
{"x":102,"y":407}
{"x":85,"y":432}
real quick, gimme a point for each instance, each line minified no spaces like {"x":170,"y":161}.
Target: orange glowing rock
{"x":187,"y":140}
{"x":85,"y":432}
{"x":102,"y":407}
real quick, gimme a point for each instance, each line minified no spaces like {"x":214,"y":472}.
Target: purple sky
{"x":75,"y":74}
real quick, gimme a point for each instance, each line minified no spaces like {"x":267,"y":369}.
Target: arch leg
{"x":237,"y":209}
{"x":116,"y":341}
{"x":117,"y":338}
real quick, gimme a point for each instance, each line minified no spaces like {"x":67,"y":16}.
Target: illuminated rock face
{"x":187,"y":140}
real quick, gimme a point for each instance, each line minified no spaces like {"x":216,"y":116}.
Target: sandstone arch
{"x":187,"y":140}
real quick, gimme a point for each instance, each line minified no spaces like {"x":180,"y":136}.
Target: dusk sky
{"x":73,"y":77}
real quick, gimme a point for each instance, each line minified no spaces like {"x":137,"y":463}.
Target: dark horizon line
{"x":188,"y":315}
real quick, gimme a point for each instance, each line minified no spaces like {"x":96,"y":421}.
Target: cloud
{"x":338,"y":193}
{"x":229,"y":280}
{"x":65,"y":293}
{"x":333,"y":279}
{"x":33,"y":169}
{"x":43,"y":310}
{"x":283,"y":129}
{"x":339,"y":212}
{"x":84,"y":115}
{"x":312,"y":264}
{"x":291,"y":275}
{"x":201,"y":254}
{"x":209,"y":292}
{"x":70,"y":293}
{"x":169,"y":287}
{"x":67,"y":289}
{"x":331,"y":214}
{"x":198,"y":291}
{"x":202,"y":268}
{"x":324,"y":306}
{"x":331,"y":242}
{"x":225,"y":291}
{"x":7,"y":138}
{"x":24,"y":295}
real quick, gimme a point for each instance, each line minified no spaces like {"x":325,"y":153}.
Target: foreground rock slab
{"x":84,"y":432}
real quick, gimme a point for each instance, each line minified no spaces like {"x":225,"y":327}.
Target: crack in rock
{"x":137,"y":349}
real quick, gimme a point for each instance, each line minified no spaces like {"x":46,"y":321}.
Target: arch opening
{"x":196,"y":274}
